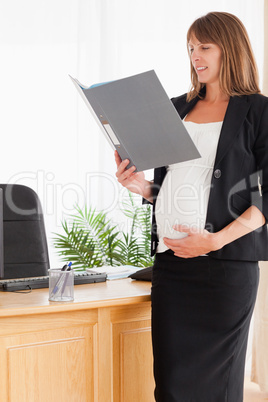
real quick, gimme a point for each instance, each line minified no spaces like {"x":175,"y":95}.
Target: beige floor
{"x":252,"y":392}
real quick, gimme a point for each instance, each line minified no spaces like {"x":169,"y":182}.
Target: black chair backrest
{"x":25,"y":242}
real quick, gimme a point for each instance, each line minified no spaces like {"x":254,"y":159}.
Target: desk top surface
{"x":94,"y":295}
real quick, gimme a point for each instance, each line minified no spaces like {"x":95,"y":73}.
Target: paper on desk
{"x":122,"y":271}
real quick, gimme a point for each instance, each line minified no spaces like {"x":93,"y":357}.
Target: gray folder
{"x":140,"y":121}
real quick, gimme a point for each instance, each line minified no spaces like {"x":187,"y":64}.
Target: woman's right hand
{"x":133,"y":181}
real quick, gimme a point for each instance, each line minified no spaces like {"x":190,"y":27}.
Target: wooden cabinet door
{"x":132,"y":354}
{"x":55,"y":365}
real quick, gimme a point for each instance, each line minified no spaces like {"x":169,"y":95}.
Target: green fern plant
{"x":92,"y":239}
{"x":137,"y":243}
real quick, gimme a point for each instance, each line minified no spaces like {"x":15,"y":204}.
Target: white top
{"x":183,"y":196}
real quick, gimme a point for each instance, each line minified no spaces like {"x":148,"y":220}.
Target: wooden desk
{"x":97,"y":348}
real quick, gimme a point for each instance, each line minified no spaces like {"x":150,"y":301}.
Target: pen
{"x":58,"y":283}
{"x":66,"y":278}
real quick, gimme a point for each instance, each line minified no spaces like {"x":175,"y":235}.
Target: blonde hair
{"x":239,"y":73}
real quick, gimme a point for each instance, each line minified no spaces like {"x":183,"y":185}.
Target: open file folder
{"x":140,"y":121}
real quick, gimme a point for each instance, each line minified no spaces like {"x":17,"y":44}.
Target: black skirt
{"x":201,"y":311}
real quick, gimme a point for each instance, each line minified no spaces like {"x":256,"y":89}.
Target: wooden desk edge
{"x":59,"y":307}
{"x":55,"y":307}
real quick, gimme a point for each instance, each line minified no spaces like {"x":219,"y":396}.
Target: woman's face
{"x":206,"y":59}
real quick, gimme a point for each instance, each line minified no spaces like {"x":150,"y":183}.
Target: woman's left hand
{"x":198,"y":242}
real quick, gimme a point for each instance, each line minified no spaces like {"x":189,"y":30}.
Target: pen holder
{"x":61,"y":285}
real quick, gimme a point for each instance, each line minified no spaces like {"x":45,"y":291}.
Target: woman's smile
{"x":200,"y":69}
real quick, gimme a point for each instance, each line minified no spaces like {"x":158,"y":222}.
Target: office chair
{"x":25,"y":243}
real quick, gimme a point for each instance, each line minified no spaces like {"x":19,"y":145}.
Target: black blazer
{"x":240,"y":177}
